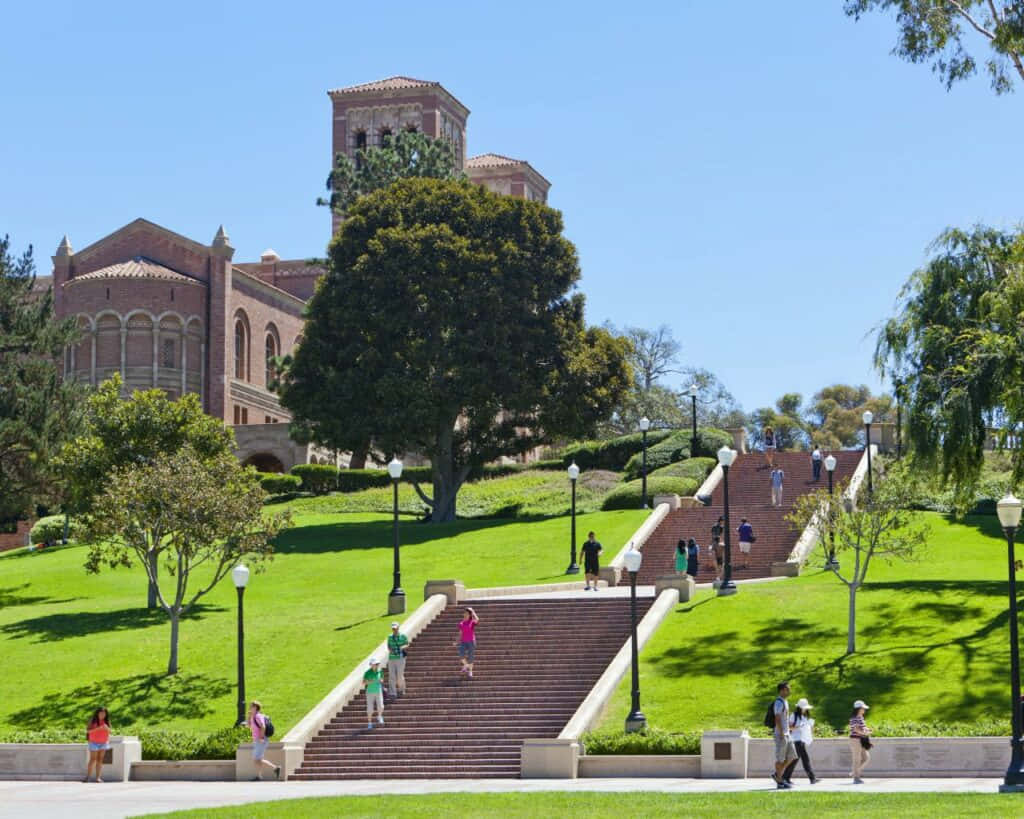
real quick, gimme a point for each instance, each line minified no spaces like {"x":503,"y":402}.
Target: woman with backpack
{"x":802,"y":728}
{"x":261,"y":729}
{"x":860,"y":741}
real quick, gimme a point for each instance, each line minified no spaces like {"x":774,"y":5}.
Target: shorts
{"x":718,"y":560}
{"x":691,"y":568}
{"x":467,"y":651}
{"x":745,"y":547}
{"x":259,"y":748}
{"x":99,"y":746}
{"x":591,"y":566}
{"x":785,"y":750}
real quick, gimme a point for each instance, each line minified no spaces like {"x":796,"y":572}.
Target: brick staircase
{"x":749,"y":497}
{"x":536,"y":661}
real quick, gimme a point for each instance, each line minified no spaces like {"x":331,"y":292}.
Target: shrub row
{"x":651,"y":741}
{"x":676,"y":447}
{"x":696,"y":468}
{"x":277,"y":483}
{"x":51,"y":530}
{"x":627,"y":495}
{"x":157,"y":745}
{"x":611,"y":454}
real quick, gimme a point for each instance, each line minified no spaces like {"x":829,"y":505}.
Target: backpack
{"x":268,"y":726}
{"x":769,"y":717}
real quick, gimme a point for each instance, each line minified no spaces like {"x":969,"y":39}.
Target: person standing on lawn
{"x":396,"y":662}
{"x":591,"y":565}
{"x":98,"y":735}
{"x":467,"y":640}
{"x":860,"y":741}
{"x":260,"y":741}
{"x":785,"y":751}
{"x":374,"y":693}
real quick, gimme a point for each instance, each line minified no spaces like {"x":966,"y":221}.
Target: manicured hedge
{"x":549,"y":465}
{"x":710,"y":440}
{"x":317,"y":478}
{"x":279,"y":484}
{"x":676,"y":447}
{"x":696,"y":468}
{"x":355,"y":480}
{"x":611,"y":454}
{"x":156,"y":745}
{"x":651,"y":741}
{"x":627,"y":495}
{"x":51,"y":530}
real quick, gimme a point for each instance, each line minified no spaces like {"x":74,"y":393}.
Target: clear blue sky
{"x":761,"y":183}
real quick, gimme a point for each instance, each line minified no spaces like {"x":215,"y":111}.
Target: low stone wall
{"x":189,"y":770}
{"x":640,"y":765}
{"x":67,"y":762}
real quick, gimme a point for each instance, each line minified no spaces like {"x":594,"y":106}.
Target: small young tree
{"x":881,"y":525}
{"x":198,"y":516}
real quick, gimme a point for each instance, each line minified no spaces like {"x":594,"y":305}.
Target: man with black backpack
{"x":777,"y":719}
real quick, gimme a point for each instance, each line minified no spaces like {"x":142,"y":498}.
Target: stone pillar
{"x":683,"y":582}
{"x":156,"y":351}
{"x":92,"y":355}
{"x":184,"y":359}
{"x":124,"y":349}
{"x":723,"y":754}
{"x":550,"y":759}
{"x":220,"y":330}
{"x":454,"y":590}
{"x":62,"y":271}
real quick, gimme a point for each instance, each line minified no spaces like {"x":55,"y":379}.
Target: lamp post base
{"x":727,"y":588}
{"x":1011,"y":788}
{"x":396,"y":602}
{"x":573,"y":569}
{"x":636,"y":723}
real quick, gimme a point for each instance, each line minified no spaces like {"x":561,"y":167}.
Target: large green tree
{"x":123,"y":431}
{"x":446,"y":325}
{"x":38,"y":410}
{"x":834,"y":418}
{"x":956,"y":347}
{"x":196,"y":515}
{"x":937,"y":31}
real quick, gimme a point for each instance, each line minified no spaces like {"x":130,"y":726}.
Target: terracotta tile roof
{"x":138,"y":268}
{"x":493,"y":161}
{"x":389,"y":84}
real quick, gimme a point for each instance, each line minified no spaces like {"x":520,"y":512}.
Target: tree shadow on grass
{"x":136,"y":702}
{"x":12,"y":596}
{"x":340,"y":537}
{"x":56,"y":627}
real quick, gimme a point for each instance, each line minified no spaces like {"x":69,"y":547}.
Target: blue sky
{"x":763,"y":183}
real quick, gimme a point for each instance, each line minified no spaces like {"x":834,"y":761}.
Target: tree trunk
{"x":172,"y":662}
{"x":151,"y":601}
{"x":358,"y":459}
{"x":851,"y":627}
{"x":444,"y":475}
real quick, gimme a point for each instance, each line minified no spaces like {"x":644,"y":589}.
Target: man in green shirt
{"x":374,"y":694}
{"x":396,"y":662}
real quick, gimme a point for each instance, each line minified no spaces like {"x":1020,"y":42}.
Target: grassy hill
{"x":932,"y":658}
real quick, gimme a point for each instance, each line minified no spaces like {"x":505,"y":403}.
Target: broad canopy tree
{"x":446,"y":325}
{"x":38,"y":410}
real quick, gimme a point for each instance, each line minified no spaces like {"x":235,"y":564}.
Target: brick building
{"x":170,"y":312}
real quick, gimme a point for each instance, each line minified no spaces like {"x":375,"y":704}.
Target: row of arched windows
{"x":271,"y":349}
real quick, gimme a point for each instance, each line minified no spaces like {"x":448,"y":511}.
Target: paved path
{"x":43,"y":800}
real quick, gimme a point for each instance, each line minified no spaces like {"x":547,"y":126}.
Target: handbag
{"x":865,"y":743}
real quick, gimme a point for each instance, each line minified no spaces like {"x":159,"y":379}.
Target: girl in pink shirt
{"x":98,"y":735}
{"x":467,"y":640}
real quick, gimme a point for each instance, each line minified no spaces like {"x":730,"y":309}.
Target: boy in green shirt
{"x":396,"y":662}
{"x":374,"y":694}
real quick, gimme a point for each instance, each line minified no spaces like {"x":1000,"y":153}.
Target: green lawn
{"x":71,"y":641}
{"x":634,"y":803}
{"x":932,"y":646}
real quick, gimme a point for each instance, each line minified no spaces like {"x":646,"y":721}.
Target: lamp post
{"x":574,"y":567}
{"x":1009,"y":509}
{"x":636,"y":721}
{"x":396,"y":599}
{"x":726,"y":456}
{"x":830,"y":467}
{"x":868,"y":418}
{"x":645,"y":424}
{"x":693,"y":412}
{"x":240,"y":577}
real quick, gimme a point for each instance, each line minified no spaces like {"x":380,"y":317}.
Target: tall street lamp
{"x":1009,"y":509}
{"x":830,"y":467}
{"x":574,"y":567}
{"x":396,"y":599}
{"x":636,"y":721}
{"x":868,"y":418}
{"x":726,"y":456}
{"x":240,"y":577}
{"x":693,"y":412}
{"x":645,"y":424}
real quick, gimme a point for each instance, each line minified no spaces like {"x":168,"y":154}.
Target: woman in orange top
{"x":98,"y":734}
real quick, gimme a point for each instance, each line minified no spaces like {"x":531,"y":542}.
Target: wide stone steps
{"x":535,"y":663}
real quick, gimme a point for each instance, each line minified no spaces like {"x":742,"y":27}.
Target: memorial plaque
{"x":906,"y":757}
{"x":938,"y":757}
{"x":723,"y":751}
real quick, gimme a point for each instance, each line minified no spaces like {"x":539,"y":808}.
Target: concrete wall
{"x":188,"y":770}
{"x":67,"y":762}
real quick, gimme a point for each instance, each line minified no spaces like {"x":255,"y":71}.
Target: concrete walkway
{"x":43,"y":800}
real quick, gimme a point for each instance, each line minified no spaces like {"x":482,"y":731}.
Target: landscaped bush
{"x":696,"y":468}
{"x":51,"y":530}
{"x":549,"y":464}
{"x":157,"y":745}
{"x":611,"y":454}
{"x":317,"y":478}
{"x":279,"y":484}
{"x":676,"y":447}
{"x":627,"y":495}
{"x":356,"y":480}
{"x":651,"y":741}
{"x":710,"y":440}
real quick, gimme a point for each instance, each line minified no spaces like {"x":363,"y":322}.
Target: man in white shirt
{"x":816,"y":463}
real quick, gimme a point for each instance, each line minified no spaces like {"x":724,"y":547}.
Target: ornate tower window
{"x":271,"y":353}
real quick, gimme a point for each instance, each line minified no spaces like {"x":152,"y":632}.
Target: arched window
{"x":360,"y":140}
{"x":385,"y":136}
{"x":272,"y":352}
{"x":241,"y":347}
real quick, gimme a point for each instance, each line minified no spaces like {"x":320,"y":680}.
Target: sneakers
{"x":369,"y":726}
{"x":277,"y":772}
{"x":815,"y":781}
{"x":380,"y":720}
{"x":783,"y":785}
{"x":858,"y":781}
{"x":586,"y":588}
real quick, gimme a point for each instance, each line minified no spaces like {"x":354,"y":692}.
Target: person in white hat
{"x":859,"y":741}
{"x":374,"y":693}
{"x":396,"y":662}
{"x":802,"y":726}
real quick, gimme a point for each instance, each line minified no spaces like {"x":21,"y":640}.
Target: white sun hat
{"x":803,"y":704}
{"x":860,"y":704}
{"x":374,"y":661}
